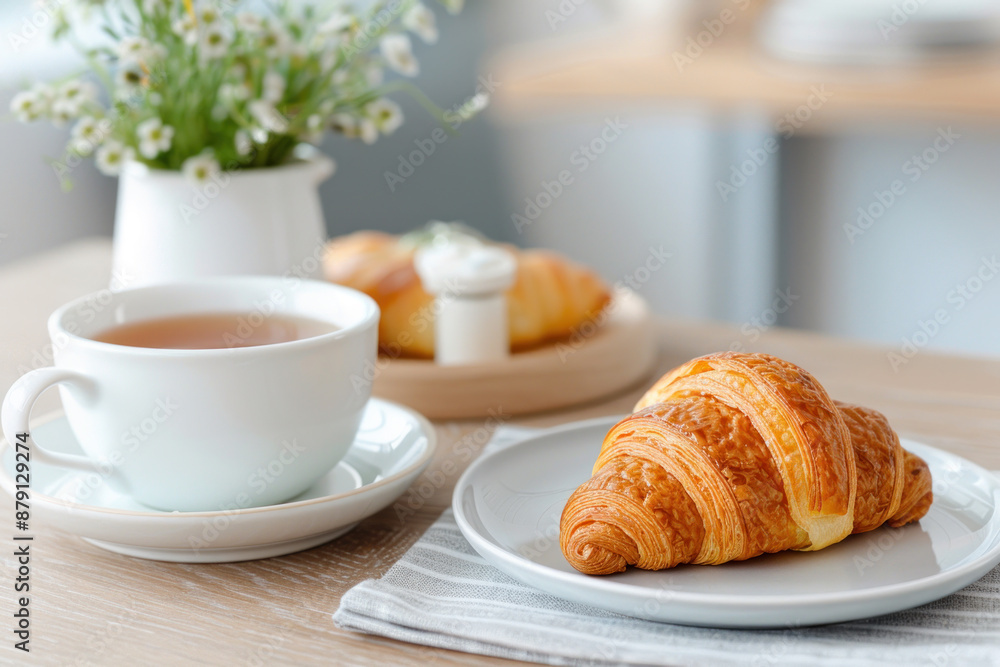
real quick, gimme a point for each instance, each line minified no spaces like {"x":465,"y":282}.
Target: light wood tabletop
{"x":94,"y":607}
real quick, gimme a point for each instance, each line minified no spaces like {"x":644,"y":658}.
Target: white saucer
{"x":508,"y":505}
{"x":393,"y":446}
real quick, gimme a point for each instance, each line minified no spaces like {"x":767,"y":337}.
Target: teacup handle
{"x":16,"y":412}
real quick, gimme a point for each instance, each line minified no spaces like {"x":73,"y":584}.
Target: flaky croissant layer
{"x":734,"y":455}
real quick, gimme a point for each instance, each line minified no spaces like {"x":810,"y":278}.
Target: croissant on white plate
{"x":734,"y":455}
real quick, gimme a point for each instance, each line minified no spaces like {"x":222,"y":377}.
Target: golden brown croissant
{"x":734,"y":455}
{"x":551,"y":296}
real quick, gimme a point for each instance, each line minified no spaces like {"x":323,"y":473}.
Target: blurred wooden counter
{"x":628,"y":65}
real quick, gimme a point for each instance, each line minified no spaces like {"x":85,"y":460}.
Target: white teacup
{"x":207,"y":429}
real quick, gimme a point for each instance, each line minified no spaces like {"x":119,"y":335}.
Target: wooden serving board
{"x":598,"y":360}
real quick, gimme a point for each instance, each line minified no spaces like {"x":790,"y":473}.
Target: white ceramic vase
{"x":265,"y":221}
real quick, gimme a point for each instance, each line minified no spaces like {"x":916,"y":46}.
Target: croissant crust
{"x":734,"y":455}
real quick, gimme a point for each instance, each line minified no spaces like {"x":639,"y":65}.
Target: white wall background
{"x":903,"y":268}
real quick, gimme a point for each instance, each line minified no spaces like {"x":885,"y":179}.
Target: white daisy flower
{"x":28,"y":105}
{"x":61,"y":112}
{"x":112,"y":156}
{"x":274,"y":87}
{"x":386,"y":115}
{"x":88,"y":134}
{"x":209,"y":16}
{"x":336,"y":23}
{"x":274,"y":40}
{"x":135,"y":49}
{"x":367,"y":130}
{"x":267,"y":116}
{"x":130,"y":48}
{"x":128,"y":79}
{"x":73,"y":95}
{"x":249,"y":22}
{"x":201,"y":168}
{"x":243,"y":142}
{"x":398,"y":53}
{"x":186,"y":27}
{"x":154,"y":137}
{"x":344,"y":124}
{"x":453,"y":6}
{"x":234,"y":92}
{"x":215,"y":42}
{"x":420,"y":21}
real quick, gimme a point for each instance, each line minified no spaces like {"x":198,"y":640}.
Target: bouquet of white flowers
{"x":198,"y":85}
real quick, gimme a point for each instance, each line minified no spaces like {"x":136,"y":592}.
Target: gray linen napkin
{"x":442,"y":593}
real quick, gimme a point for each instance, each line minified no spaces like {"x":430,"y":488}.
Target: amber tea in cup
{"x":210,"y":331}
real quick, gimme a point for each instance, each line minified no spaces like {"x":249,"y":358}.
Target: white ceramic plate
{"x":508,"y":505}
{"x":393,"y":446}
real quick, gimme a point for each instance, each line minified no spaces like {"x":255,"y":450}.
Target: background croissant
{"x":734,"y":455}
{"x":551,"y":296}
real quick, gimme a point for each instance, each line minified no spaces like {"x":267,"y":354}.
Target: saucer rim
{"x":429,"y":433}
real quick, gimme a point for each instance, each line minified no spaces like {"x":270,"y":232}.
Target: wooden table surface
{"x":94,"y":607}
